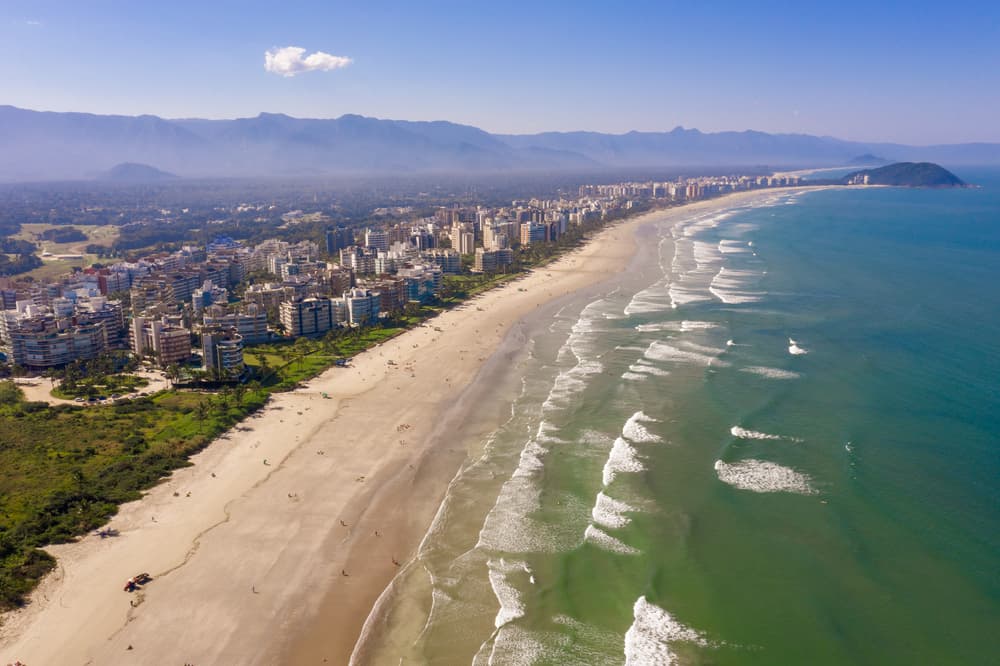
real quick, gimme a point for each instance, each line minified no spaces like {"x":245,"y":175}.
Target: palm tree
{"x":238,"y":392}
{"x":263,"y":363}
{"x":200,"y":413}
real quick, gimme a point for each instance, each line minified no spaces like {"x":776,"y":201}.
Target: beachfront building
{"x":423,"y":283}
{"x":69,"y":329}
{"x":98,"y":309}
{"x":534,"y":232}
{"x":222,"y":351}
{"x":491,"y":261}
{"x":496,"y":234}
{"x":309,"y":316}
{"x":449,"y":260}
{"x":392,"y":292}
{"x":164,"y":339}
{"x":46,"y":342}
{"x":362,"y":306}
{"x":250,"y":321}
{"x":269,"y":295}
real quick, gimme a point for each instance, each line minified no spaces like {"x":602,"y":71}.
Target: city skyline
{"x":926,"y":77}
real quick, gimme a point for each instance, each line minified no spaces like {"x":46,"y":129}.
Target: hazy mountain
{"x":867,"y":159}
{"x":54,"y":146}
{"x":130,"y":172}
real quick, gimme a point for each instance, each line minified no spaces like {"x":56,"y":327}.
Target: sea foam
{"x":661,"y":351}
{"x":729,"y":286}
{"x":761,"y":476}
{"x":610,"y":513}
{"x":770,"y":373}
{"x":732,"y":247}
{"x":648,"y":640}
{"x":636,"y":432}
{"x":510,"y":646}
{"x":682,"y":326}
{"x":623,"y":458}
{"x":648,"y":369}
{"x":602,"y":539}
{"x":794,"y":349}
{"x":696,"y":325}
{"x":508,"y":596}
{"x":743,"y":433}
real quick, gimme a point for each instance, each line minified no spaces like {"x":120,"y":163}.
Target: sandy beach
{"x":274,"y":546}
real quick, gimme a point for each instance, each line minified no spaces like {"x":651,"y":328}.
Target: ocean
{"x":772,"y":440}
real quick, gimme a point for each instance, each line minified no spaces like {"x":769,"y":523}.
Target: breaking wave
{"x":646,"y":368}
{"x":602,"y":539}
{"x":794,"y":349}
{"x":653,"y":630}
{"x":661,"y":351}
{"x":743,"y":433}
{"x":508,"y":596}
{"x":623,"y":458}
{"x":635,"y":431}
{"x":610,"y":513}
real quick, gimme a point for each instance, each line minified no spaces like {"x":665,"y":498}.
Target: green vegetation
{"x":97,"y":377}
{"x":63,"y":235}
{"x":458,"y":288}
{"x":99,"y":386}
{"x":16,"y":246}
{"x":21,"y":263}
{"x":282,"y":365}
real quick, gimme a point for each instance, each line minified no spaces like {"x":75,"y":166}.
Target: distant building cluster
{"x":227,"y":295}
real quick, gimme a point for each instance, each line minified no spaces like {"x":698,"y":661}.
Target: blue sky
{"x":924,"y":74}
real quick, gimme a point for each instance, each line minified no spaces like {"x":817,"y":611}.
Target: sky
{"x":922,"y":73}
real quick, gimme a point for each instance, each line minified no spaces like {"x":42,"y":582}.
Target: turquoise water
{"x":774,"y":440}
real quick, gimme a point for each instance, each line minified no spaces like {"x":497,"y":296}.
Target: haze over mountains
{"x":40,"y":146}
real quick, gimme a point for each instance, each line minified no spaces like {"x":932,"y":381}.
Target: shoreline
{"x":260,"y":531}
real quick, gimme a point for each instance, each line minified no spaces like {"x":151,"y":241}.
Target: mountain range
{"x":42,"y":145}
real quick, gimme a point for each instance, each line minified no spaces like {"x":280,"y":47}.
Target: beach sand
{"x":274,"y":546}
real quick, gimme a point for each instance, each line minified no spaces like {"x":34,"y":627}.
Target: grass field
{"x":97,"y":235}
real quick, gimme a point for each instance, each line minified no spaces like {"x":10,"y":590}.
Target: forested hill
{"x":906,"y":174}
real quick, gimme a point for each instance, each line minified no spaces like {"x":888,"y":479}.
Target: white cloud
{"x":291,"y":60}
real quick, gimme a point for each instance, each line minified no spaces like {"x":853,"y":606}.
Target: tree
{"x":173,"y":372}
{"x":200,"y":412}
{"x":239,"y":392}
